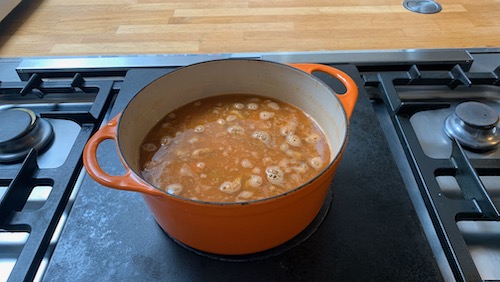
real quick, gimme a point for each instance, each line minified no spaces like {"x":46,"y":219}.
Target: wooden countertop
{"x":91,"y":27}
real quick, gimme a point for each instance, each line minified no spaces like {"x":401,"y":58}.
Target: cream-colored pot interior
{"x":211,"y":78}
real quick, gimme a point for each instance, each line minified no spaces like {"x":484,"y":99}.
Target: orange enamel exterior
{"x":229,"y":228}
{"x":242,"y":228}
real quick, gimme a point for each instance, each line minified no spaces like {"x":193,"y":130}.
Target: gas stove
{"x":416,"y":196}
{"x":45,"y":125}
{"x":447,"y":125}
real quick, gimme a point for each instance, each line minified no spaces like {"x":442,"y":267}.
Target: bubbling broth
{"x":233,"y":148}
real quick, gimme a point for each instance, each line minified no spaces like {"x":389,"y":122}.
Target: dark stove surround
{"x":372,"y":231}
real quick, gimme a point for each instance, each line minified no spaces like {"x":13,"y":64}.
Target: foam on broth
{"x":233,"y":148}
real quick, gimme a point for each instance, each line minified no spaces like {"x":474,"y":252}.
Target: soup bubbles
{"x":233,"y":148}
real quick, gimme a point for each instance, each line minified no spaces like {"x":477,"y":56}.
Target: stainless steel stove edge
{"x":464,"y":57}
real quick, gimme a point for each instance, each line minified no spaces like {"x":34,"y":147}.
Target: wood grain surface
{"x":108,"y":27}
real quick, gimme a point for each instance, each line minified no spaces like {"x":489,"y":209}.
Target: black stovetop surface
{"x":370,"y":233}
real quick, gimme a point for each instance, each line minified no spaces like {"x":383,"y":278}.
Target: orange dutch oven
{"x":229,"y":228}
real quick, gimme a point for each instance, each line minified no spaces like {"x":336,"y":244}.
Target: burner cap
{"x":474,"y":125}
{"x":477,"y":115}
{"x":15,"y":123}
{"x":20,"y":131}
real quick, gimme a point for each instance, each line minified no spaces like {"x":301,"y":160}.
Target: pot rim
{"x":258,"y":201}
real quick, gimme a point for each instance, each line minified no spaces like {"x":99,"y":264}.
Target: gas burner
{"x":22,"y":130}
{"x":474,"y":125}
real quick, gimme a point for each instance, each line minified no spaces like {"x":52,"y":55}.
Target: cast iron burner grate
{"x":57,"y":100}
{"x":476,"y":204}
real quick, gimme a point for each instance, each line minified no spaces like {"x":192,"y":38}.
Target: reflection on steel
{"x":422,"y":6}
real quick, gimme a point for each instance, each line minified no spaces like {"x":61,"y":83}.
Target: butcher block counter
{"x":107,"y":27}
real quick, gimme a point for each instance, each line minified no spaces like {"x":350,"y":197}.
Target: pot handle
{"x":128,"y":181}
{"x":348,"y":99}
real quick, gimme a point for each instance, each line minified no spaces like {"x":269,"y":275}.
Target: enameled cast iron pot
{"x":229,"y":228}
